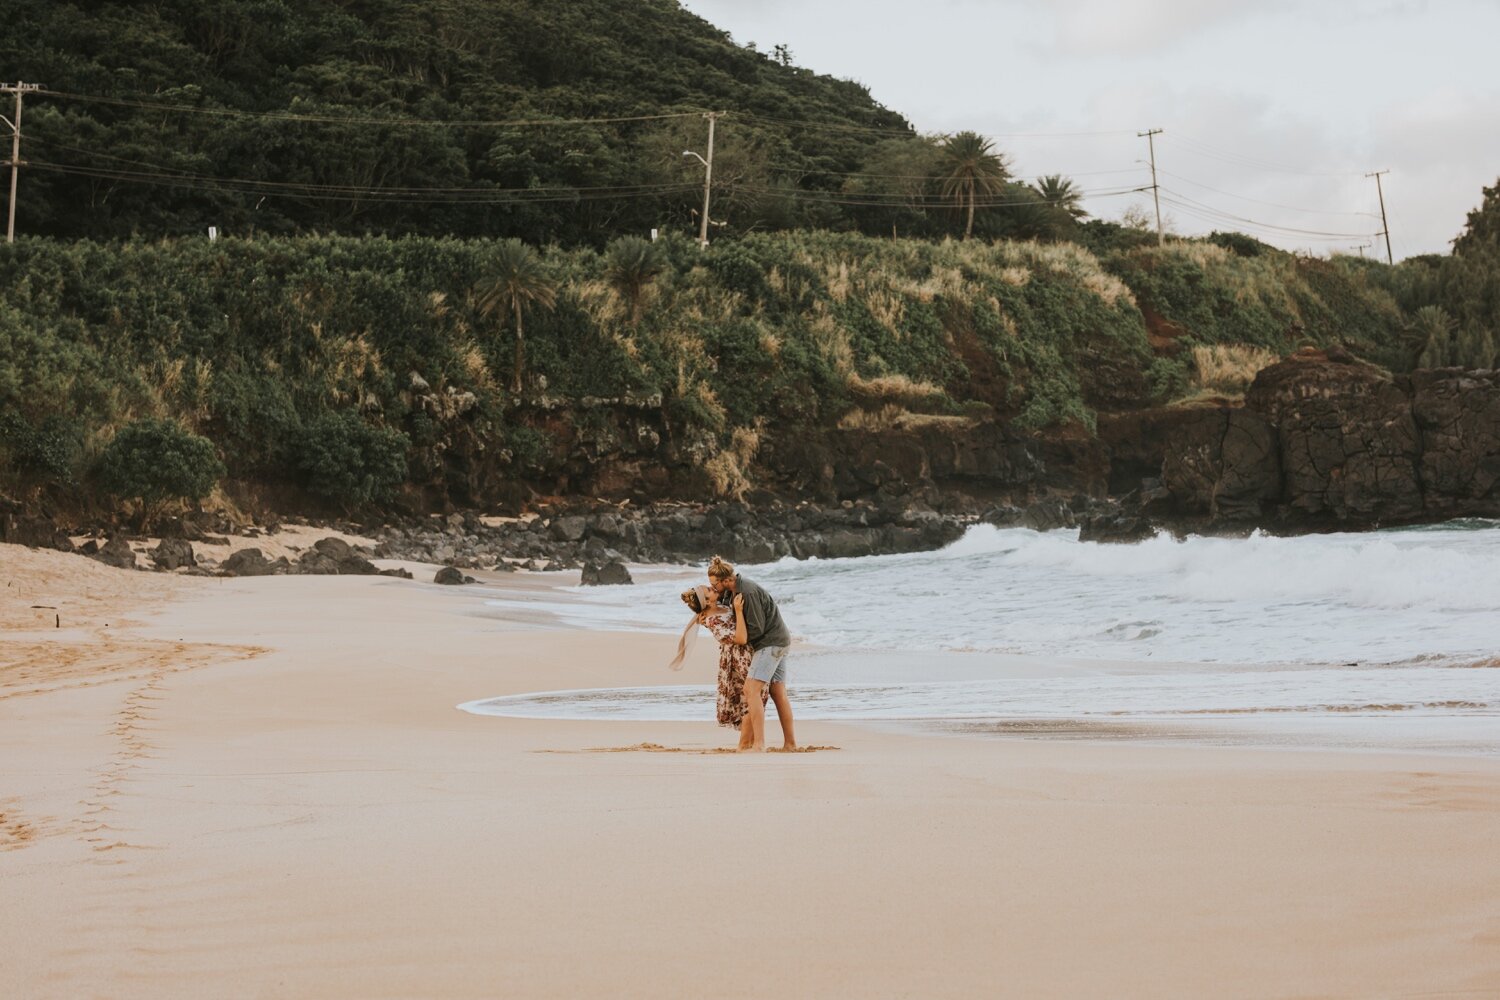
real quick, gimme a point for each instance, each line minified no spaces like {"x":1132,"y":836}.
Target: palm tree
{"x":519,"y":280}
{"x":630,"y":265}
{"x":1060,"y":193}
{"x":971,"y":170}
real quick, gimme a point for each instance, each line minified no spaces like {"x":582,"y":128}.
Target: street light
{"x":708,"y":177}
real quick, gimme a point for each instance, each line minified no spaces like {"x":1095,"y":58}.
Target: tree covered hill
{"x":281,"y":117}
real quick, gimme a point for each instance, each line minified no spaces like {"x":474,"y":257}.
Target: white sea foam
{"x":1375,"y":624}
{"x":1378,"y":597}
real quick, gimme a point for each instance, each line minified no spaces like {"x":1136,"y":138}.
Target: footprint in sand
{"x":659,"y":748}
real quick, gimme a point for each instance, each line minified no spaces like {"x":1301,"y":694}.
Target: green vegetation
{"x":156,"y":461}
{"x":296,"y":112}
{"x":1454,"y":300}
{"x":517,"y":281}
{"x":360,"y":369}
{"x":470,"y":118}
{"x":435,"y":280}
{"x":341,"y":457}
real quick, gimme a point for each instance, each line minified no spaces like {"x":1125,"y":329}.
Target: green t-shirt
{"x":763,"y":624}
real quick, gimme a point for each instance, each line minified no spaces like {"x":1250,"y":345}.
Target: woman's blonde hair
{"x":719,"y":569}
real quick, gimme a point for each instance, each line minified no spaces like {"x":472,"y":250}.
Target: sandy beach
{"x":262,"y":788}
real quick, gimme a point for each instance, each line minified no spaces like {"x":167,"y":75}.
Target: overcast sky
{"x":1271,"y":112}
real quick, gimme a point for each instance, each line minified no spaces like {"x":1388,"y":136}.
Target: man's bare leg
{"x":783,"y":715}
{"x":747,"y":736}
{"x":755,"y":711}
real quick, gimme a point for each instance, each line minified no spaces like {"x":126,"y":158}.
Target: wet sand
{"x":262,"y":787}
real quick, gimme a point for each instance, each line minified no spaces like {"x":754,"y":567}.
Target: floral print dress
{"x":734,"y":667}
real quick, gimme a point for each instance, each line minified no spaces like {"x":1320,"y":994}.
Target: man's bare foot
{"x":752,"y":749}
{"x":789,"y":748}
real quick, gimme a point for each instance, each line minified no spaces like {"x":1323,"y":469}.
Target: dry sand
{"x":261,"y":788}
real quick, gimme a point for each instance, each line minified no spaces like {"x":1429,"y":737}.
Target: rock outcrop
{"x":612,"y":573}
{"x":1326,"y":440}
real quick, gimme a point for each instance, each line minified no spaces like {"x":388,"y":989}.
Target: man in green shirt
{"x":768,"y":636}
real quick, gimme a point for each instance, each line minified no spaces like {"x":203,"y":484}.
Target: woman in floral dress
{"x":727,"y":624}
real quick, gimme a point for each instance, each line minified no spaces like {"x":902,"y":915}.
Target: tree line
{"x":266,"y":117}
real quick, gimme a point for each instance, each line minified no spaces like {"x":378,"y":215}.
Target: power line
{"x":1183,"y":201}
{"x":897,"y":133}
{"x":289,"y":116}
{"x":920,"y":201}
{"x":458,"y":196}
{"x":1272,"y":204}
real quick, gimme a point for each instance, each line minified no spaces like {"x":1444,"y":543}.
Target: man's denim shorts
{"x":768,"y":665}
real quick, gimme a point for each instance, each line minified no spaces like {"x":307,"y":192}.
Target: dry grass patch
{"x":891,"y":389}
{"x":893,"y":417}
{"x":728,"y":471}
{"x":1229,"y":367}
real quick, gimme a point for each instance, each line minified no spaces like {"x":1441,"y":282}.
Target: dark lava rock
{"x":1114,"y":526}
{"x":451,"y":577}
{"x":355,"y":564}
{"x":1046,"y":515}
{"x":404,"y":574}
{"x":1348,"y":443}
{"x":335,"y":548}
{"x":569,"y":529}
{"x":1458,"y":415}
{"x":611,"y":573}
{"x":173,"y":553}
{"x":252,"y":562}
{"x":1223,"y":463}
{"x":117,"y":552}
{"x":315,"y":563}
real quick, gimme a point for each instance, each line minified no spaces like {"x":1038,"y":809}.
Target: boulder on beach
{"x":252,"y":562}
{"x":173,"y":553}
{"x":451,"y":576}
{"x":116,"y":552}
{"x":612,"y":573}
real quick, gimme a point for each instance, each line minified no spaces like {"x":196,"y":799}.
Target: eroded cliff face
{"x":1328,"y":440}
{"x":1321,"y":439}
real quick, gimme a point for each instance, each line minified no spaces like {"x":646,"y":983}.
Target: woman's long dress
{"x":734,"y":667}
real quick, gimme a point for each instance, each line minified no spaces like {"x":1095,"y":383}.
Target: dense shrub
{"x":46,"y":453}
{"x":270,"y":347}
{"x":350,"y":462}
{"x":155,"y":461}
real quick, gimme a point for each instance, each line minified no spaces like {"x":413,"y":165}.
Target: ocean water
{"x":1386,"y":639}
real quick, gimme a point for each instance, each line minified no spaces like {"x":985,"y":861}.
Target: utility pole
{"x":15,"y":151}
{"x":1385,"y":227}
{"x":708,"y":177}
{"x":1155,"y":196}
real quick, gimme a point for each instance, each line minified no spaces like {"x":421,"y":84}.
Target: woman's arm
{"x":740,"y":636}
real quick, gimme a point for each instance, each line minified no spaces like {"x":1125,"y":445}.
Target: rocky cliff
{"x":1324,"y":440}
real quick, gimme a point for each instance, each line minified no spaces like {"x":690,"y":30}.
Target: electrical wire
{"x":1257,"y":201}
{"x":920,"y":202}
{"x":1201,"y":210}
{"x":373,"y":194}
{"x":904,"y":133}
{"x":289,"y":116}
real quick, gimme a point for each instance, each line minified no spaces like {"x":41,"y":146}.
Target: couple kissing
{"x":753,"y":645}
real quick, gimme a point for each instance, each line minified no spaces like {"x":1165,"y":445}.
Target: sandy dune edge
{"x":262,"y":788}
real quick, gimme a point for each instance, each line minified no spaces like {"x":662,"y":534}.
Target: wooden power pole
{"x":1155,"y":194}
{"x":19,"y":89}
{"x":1385,"y":227}
{"x":708,"y":179}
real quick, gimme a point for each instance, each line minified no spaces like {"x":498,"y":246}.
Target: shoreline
{"x":265,"y":783}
